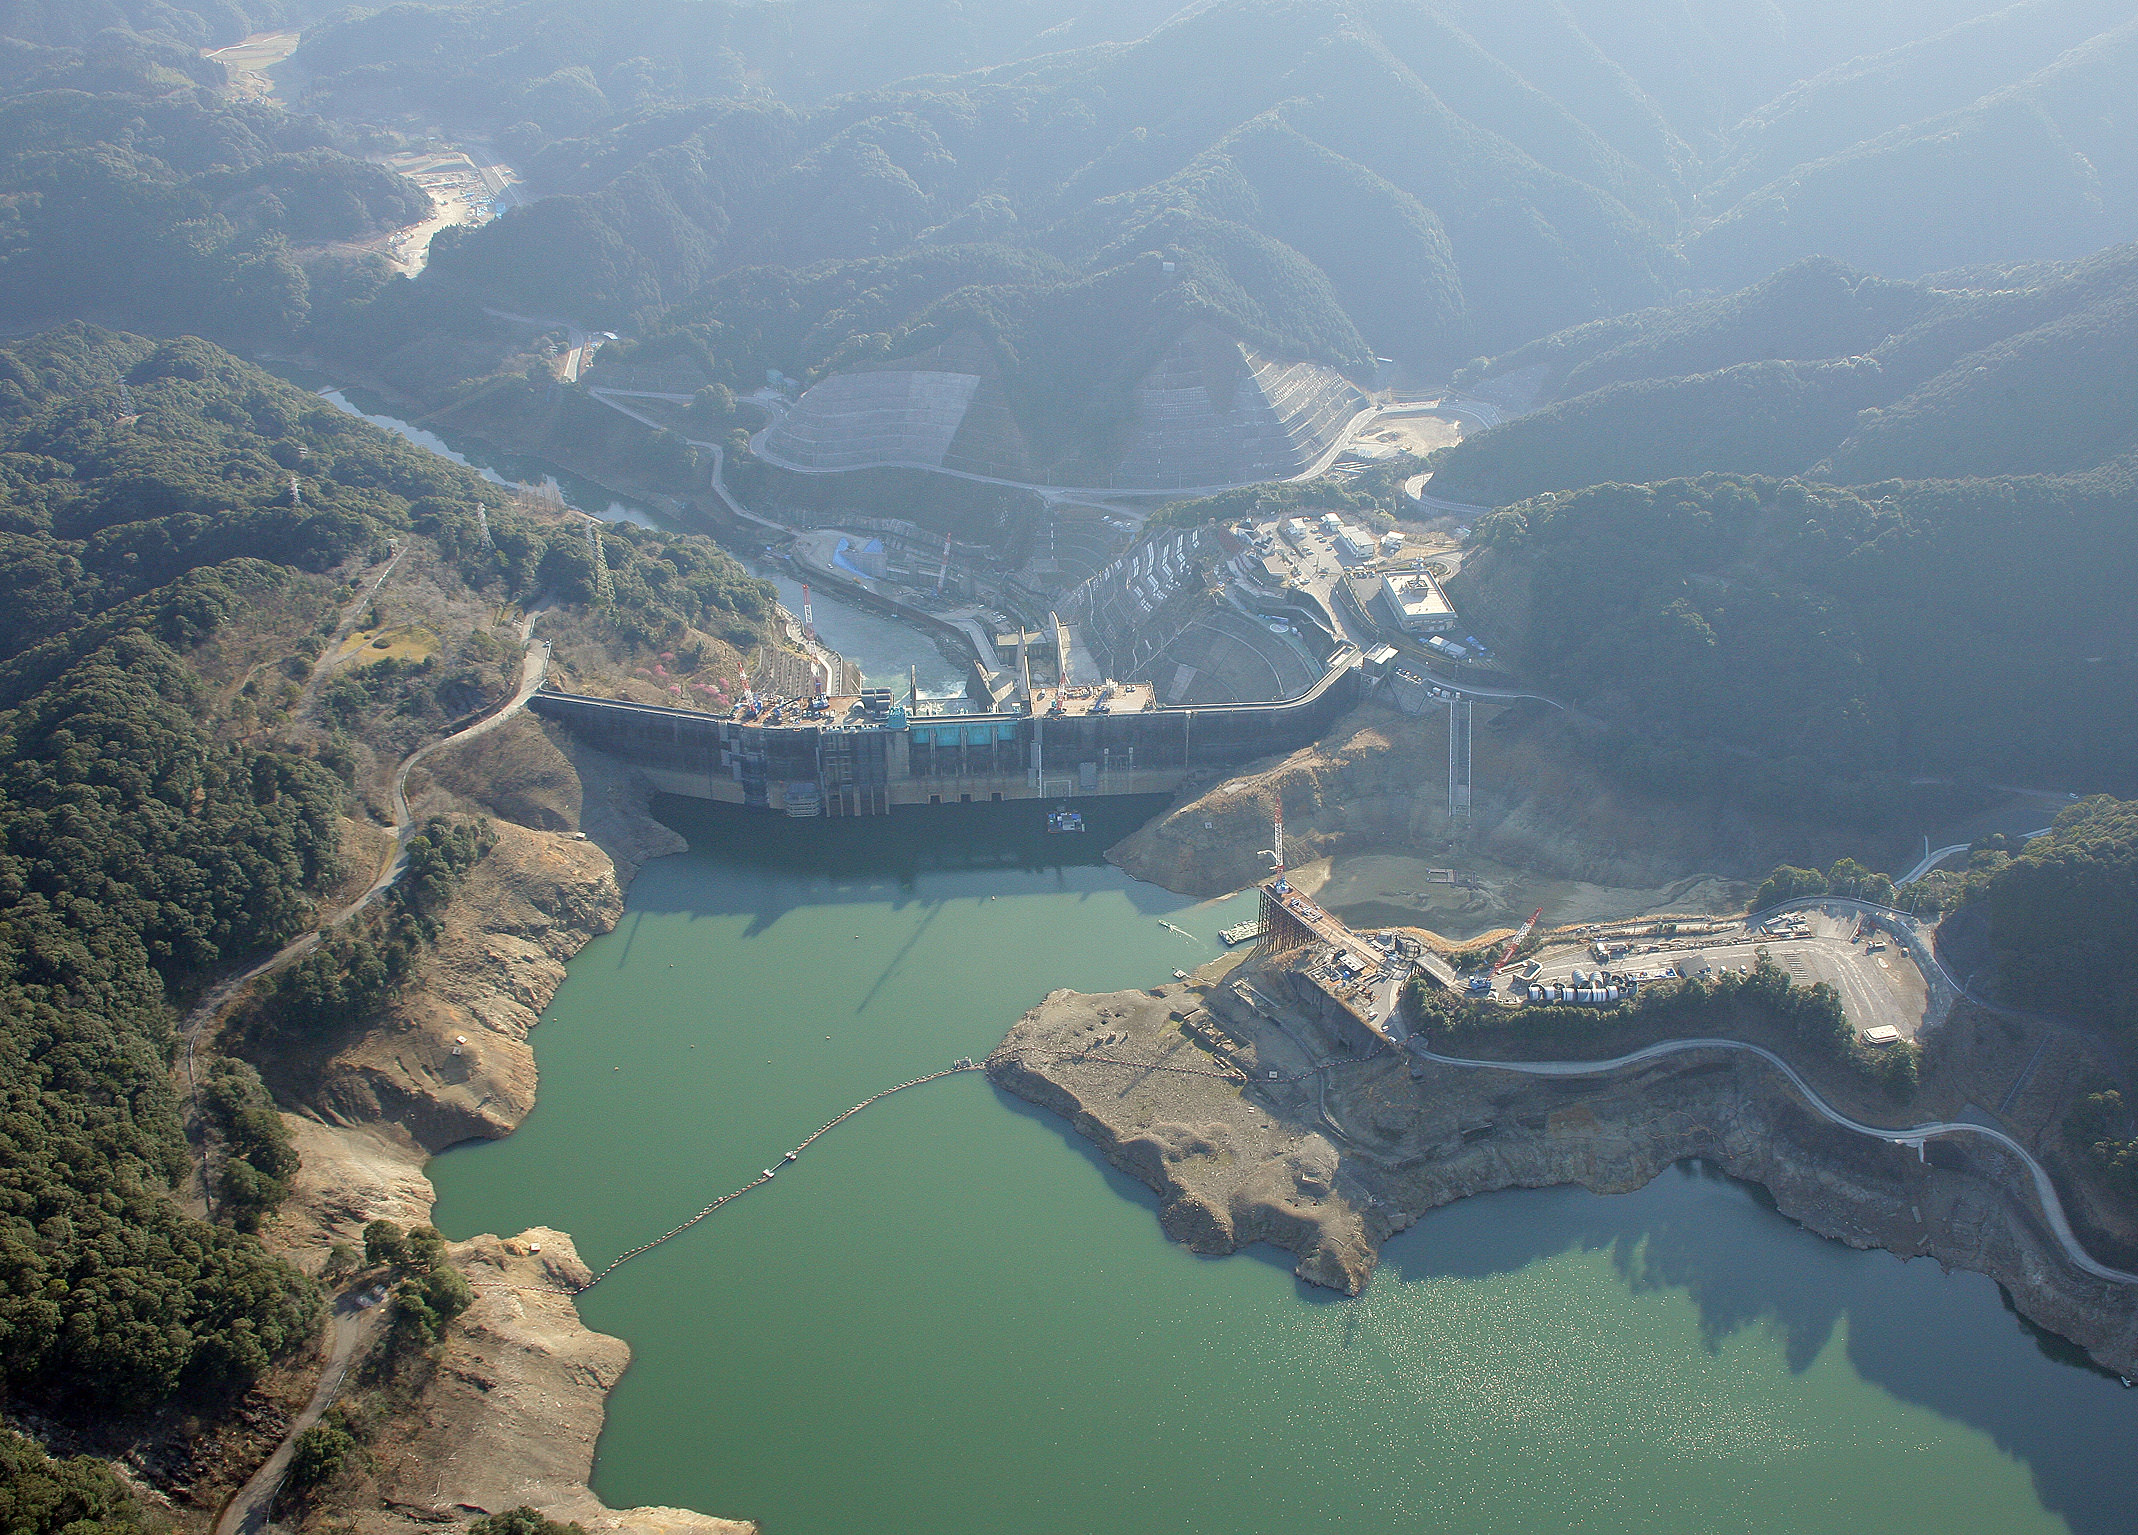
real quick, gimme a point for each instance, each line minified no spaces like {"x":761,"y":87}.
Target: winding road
{"x":251,"y":1506}
{"x":1912,"y":1135}
{"x":532,"y":672}
{"x":248,"y":1510}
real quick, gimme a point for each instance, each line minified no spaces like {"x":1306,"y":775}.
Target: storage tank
{"x":1536,"y":993}
{"x":1613,"y":994}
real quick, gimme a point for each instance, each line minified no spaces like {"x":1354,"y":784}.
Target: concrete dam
{"x":850,"y":762}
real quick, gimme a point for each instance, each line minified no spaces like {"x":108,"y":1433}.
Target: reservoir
{"x":951,"y":1315}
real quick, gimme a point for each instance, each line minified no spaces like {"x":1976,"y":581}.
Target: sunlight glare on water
{"x":951,"y":1315}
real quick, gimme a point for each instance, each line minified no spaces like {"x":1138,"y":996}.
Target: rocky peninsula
{"x":1251,"y":1122}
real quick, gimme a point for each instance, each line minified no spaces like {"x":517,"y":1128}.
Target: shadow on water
{"x":786,"y":863}
{"x":1926,"y":1336}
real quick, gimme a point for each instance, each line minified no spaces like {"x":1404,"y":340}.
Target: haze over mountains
{"x":1424,"y":182}
{"x":753,"y":187}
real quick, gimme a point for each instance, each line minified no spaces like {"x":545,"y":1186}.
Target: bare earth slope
{"x":511,"y":1412}
{"x":1175,"y":1089}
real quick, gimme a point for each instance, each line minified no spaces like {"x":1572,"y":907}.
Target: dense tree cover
{"x":1979,"y":629}
{"x":128,"y":468}
{"x":2100,"y":1124}
{"x":522,"y":1521}
{"x":143,"y":196}
{"x":1831,"y":373}
{"x":1811,"y":1016}
{"x":320,"y":1454}
{"x":2062,"y":912}
{"x":1416,"y":179}
{"x":258,"y":1159}
{"x":431,"y":1292}
{"x":358,"y":967}
{"x":1847,"y":878}
{"x":43,"y":1496}
{"x":136,"y":847}
{"x":1377,"y":491}
{"x":145,"y":506}
{"x":551,"y":68}
{"x":1291,"y":222}
{"x":177,"y":24}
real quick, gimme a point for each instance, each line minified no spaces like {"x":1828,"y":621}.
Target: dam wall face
{"x":826,"y":768}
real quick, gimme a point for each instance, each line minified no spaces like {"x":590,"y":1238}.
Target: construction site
{"x":1209,"y":414}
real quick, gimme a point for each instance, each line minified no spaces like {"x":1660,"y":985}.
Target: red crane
{"x":1515,"y":942}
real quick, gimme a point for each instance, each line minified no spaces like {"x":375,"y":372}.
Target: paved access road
{"x":1911,"y":1135}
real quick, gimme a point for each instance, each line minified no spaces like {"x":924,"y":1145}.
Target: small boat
{"x":1242,"y":932}
{"x":1180,"y":975}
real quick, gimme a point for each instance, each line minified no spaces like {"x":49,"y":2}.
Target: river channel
{"x":952,"y":1316}
{"x":889,"y":653}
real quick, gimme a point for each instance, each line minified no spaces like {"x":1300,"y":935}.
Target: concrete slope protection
{"x":1911,"y":1135}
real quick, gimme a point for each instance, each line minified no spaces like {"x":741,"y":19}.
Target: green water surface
{"x":950,"y":1316}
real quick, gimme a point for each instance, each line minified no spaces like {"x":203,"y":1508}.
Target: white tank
{"x":1613,"y":994}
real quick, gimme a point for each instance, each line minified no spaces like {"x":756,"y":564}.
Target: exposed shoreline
{"x":521,"y":1375}
{"x":1328,"y":1164}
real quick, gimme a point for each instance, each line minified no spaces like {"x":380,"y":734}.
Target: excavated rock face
{"x":1175,"y":1088}
{"x":1209,"y":412}
{"x":1376,"y":783}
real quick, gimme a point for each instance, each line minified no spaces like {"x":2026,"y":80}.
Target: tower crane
{"x":1515,"y":942}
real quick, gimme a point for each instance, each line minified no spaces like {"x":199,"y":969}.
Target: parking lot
{"x":1878,"y":983}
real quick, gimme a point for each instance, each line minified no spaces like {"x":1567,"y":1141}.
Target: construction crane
{"x":1515,"y":942}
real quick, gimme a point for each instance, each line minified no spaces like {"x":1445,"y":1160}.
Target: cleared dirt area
{"x":250,"y":62}
{"x":1881,"y":988}
{"x":464,"y":190}
{"x":1402,"y":890}
{"x":1407,"y":434}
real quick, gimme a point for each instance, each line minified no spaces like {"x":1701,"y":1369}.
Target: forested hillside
{"x":551,"y":69}
{"x":1979,"y":629}
{"x":137,"y":194}
{"x":1075,"y":186}
{"x":176,"y":530}
{"x":1828,"y":372}
{"x":2062,"y":912}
